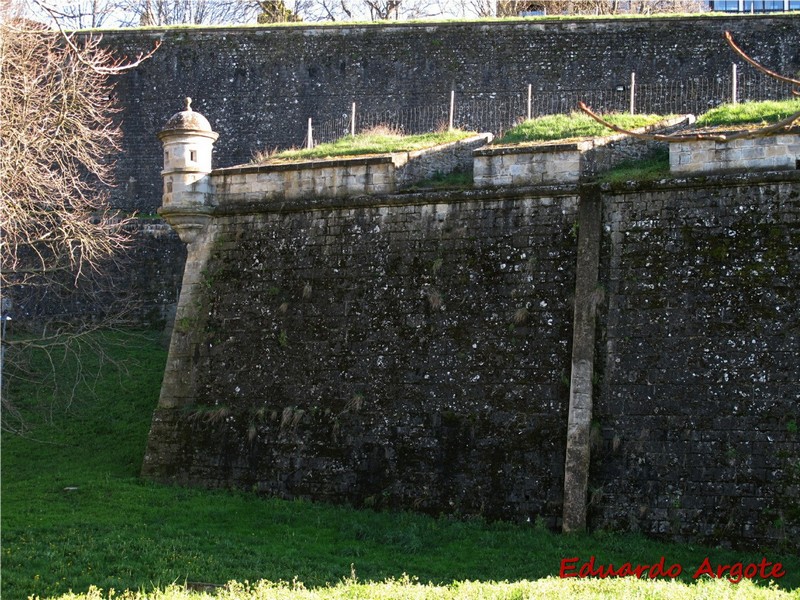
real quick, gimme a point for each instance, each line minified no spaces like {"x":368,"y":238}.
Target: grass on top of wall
{"x":76,"y":515}
{"x":744,"y":113}
{"x":573,"y":125}
{"x":378,"y":140}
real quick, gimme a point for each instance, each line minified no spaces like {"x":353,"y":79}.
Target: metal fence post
{"x":452,"y":107}
{"x":530,"y":100}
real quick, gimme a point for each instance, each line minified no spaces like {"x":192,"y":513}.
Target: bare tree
{"x":374,"y":10}
{"x":321,"y":10}
{"x":70,"y":14}
{"x":57,"y":133}
{"x":86,"y":14}
{"x":781,"y":126}
{"x":478,"y":8}
{"x":513,"y":8}
{"x":383,"y":10}
{"x":196,"y":12}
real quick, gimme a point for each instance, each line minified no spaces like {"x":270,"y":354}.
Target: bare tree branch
{"x":759,"y":66}
{"x":196,"y":12}
{"x":59,"y":240}
{"x":780,"y":127}
{"x":110,"y":67}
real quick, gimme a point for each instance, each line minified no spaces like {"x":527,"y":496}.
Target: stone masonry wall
{"x":698,"y":410}
{"x":139,"y":286}
{"x":258,"y":86}
{"x":335,"y":178}
{"x":771,"y":153}
{"x":427,"y":163}
{"x":558,"y":162}
{"x":405,"y":352}
{"x":566,"y":161}
{"x":414,"y":351}
{"x":347,"y":176}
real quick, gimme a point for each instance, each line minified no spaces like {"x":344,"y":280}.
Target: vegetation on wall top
{"x":574,"y":125}
{"x":745,"y":113}
{"x":378,"y":140}
{"x":439,"y":21}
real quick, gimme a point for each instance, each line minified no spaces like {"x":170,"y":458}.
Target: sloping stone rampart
{"x":386,"y":351}
{"x":414,"y":351}
{"x":699,"y":384}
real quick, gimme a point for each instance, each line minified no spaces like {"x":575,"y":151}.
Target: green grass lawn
{"x":745,"y":113}
{"x":114,"y":531}
{"x":379,"y":140}
{"x":573,"y":125}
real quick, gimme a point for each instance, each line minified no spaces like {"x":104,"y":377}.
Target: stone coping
{"x":396,"y":199}
{"x":407,"y":198}
{"x":717,"y":179}
{"x":726,"y":130}
{"x":317,"y":163}
{"x":529,"y":147}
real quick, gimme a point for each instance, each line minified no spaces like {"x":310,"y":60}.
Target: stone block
{"x":518,"y":170}
{"x":776,"y":150}
{"x":481,"y":166}
{"x":692,"y":167}
{"x":752,"y":153}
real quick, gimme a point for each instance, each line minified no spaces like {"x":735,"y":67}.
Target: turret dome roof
{"x":187,"y":119}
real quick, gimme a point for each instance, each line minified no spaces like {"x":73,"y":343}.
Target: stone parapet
{"x":340,"y":177}
{"x":289,"y":181}
{"x":564,"y":161}
{"x":529,"y":164}
{"x":772,"y":153}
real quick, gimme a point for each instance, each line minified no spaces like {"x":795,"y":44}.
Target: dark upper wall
{"x":258,"y":86}
{"x":139,"y":286}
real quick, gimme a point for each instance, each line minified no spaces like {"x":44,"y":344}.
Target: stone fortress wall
{"x":445,"y":351}
{"x":416,"y":350}
{"x":260,"y":85}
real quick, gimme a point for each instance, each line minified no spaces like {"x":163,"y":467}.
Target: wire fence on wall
{"x":496,"y":112}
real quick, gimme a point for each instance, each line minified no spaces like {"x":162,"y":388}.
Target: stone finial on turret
{"x":188,"y":140}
